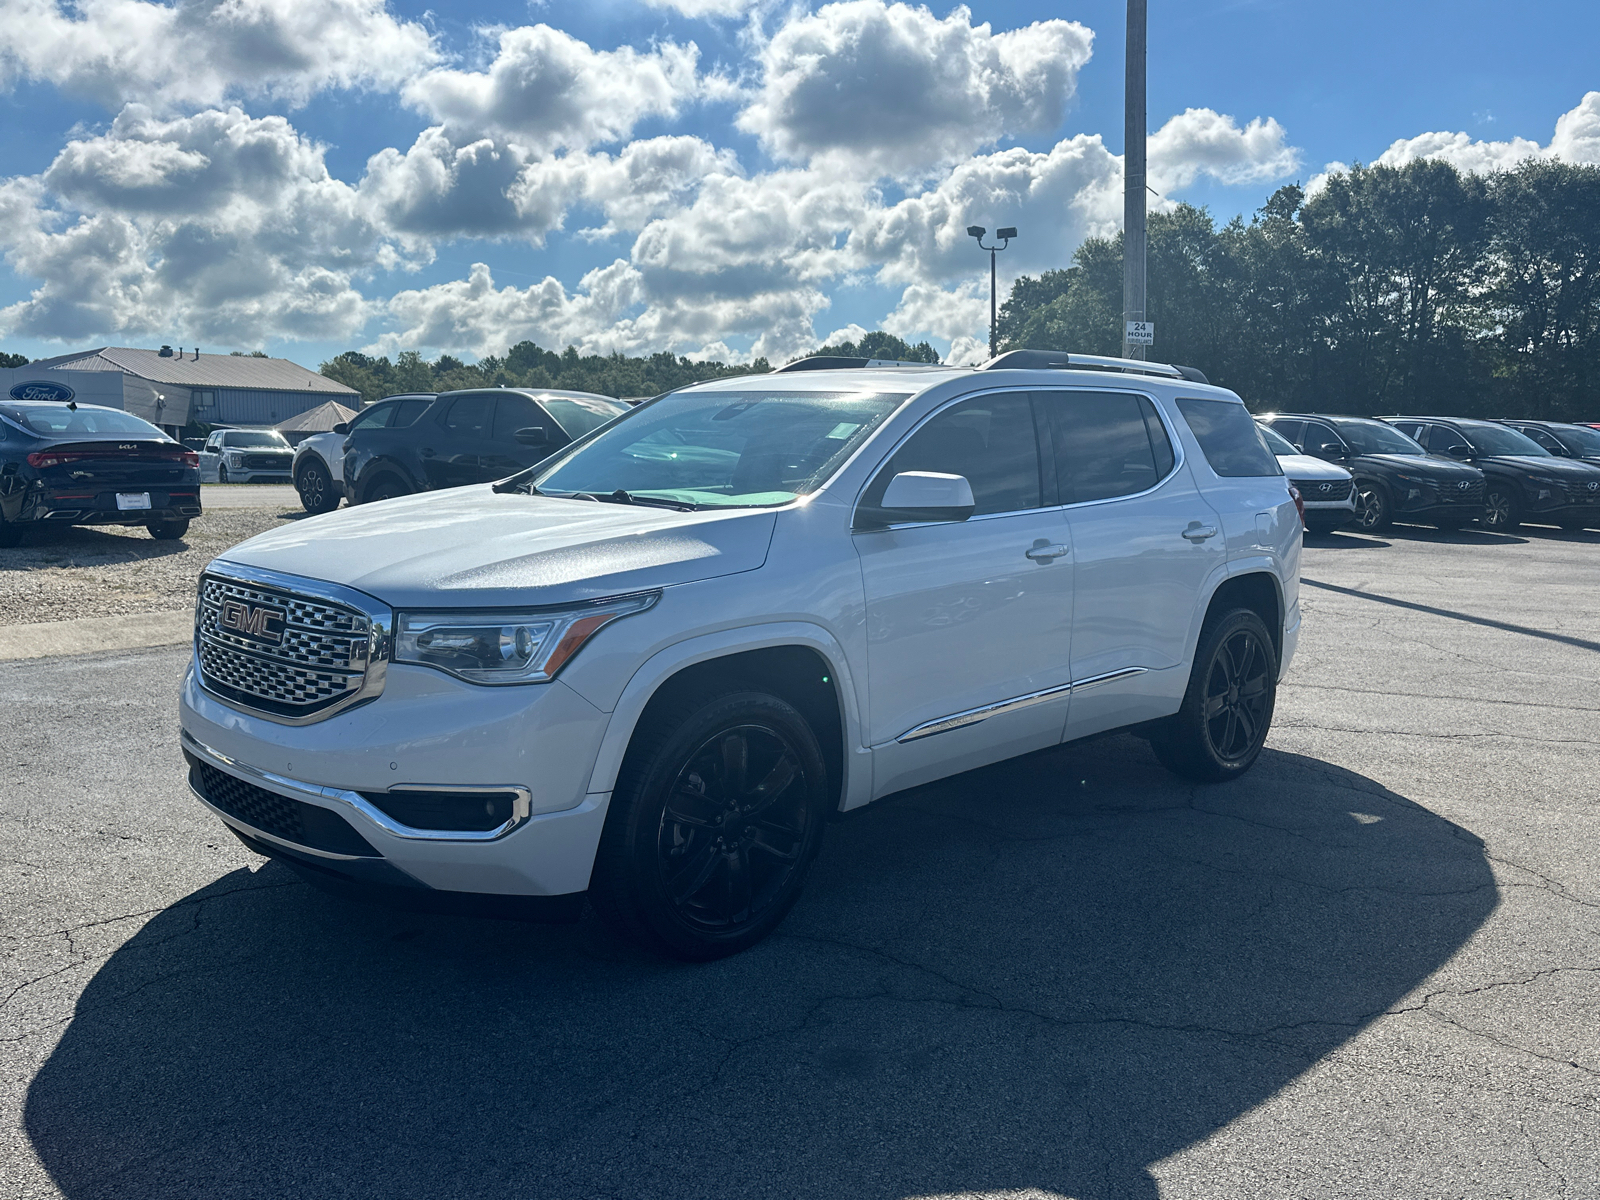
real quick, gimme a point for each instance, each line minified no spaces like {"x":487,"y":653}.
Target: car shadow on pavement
{"x":1340,"y":540}
{"x":1050,"y":974}
{"x":86,"y":546}
{"x":1466,"y":536}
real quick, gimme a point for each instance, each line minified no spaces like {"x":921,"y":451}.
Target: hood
{"x":1552,"y":467}
{"x":1430,"y":465}
{"x":469,"y":547}
{"x":1304,"y":466}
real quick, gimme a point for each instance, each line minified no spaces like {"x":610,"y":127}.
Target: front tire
{"x":315,"y":486}
{"x":222,"y":473}
{"x":1218,"y":733}
{"x":1502,"y":507}
{"x":1374,"y":513}
{"x":713,"y":825}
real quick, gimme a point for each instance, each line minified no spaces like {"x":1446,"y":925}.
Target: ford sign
{"x":42,"y":389}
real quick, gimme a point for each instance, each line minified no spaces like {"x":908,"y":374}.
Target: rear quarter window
{"x":1228,"y":438}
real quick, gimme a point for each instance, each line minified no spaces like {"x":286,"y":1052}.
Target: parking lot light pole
{"x":1133,"y":178}
{"x":1005,"y":235}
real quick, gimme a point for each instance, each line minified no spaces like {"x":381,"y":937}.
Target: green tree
{"x":13,"y":360}
{"x":879,"y":344}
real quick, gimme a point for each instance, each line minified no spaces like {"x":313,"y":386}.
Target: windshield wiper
{"x":621,"y":497}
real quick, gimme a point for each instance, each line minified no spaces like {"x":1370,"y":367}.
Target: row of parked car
{"x":1368,"y":472}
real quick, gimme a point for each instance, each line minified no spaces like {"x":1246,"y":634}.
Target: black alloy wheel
{"x":1372,"y":507}
{"x":712,"y":828}
{"x":315,"y":486}
{"x":1502,"y":507}
{"x":167,"y":531}
{"x":1218,"y":732}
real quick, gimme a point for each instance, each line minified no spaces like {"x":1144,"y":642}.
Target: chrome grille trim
{"x":333,"y":652}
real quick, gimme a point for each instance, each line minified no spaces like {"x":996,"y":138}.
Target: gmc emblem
{"x":255,"y":621}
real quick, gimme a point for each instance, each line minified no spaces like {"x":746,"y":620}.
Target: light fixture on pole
{"x":1005,"y":235}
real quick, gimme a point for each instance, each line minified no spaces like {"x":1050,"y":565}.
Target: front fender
{"x":856,"y":786}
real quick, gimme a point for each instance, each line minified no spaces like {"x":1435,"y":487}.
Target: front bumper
{"x":427,"y":731}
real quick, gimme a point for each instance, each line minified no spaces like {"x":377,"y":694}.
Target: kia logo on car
{"x":256,"y":621}
{"x":42,"y":389}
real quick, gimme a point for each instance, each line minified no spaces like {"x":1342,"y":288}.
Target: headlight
{"x":1548,"y":482}
{"x":1404,"y":478}
{"x":505,"y":646}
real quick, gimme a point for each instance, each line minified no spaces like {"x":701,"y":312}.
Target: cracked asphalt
{"x":1370,"y":969}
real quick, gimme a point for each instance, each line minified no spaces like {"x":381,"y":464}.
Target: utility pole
{"x":1133,"y":179}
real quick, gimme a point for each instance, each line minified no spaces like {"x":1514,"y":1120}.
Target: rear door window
{"x":1106,"y":444}
{"x":989,"y":439}
{"x":1227,"y":435}
{"x":1290,"y":431}
{"x":469,"y":416}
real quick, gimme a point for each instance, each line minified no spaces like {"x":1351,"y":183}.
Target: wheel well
{"x":797,"y":674}
{"x":376,"y":477}
{"x":1258,"y":592}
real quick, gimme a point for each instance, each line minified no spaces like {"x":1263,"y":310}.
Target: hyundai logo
{"x":1324,"y":487}
{"x":1464,"y":484}
{"x":42,"y":389}
{"x":255,"y":621}
{"x":1594,"y":485}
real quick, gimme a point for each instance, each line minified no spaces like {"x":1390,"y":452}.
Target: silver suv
{"x":647,"y":670}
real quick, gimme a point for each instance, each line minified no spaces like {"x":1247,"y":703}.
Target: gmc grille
{"x":313,"y":659}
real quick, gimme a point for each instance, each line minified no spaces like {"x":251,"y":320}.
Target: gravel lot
{"x":103,"y":571}
{"x":1371,"y":968}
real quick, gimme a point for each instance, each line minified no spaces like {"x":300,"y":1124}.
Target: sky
{"x":719,"y":178}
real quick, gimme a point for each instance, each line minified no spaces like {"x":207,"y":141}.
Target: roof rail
{"x":835,"y":362}
{"x":1060,"y":360}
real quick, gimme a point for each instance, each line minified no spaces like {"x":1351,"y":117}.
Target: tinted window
{"x":256,"y":440}
{"x":1497,"y":439}
{"x":1103,"y":444}
{"x":988,"y":439}
{"x":1318,"y":435}
{"x":87,"y":420}
{"x":470,"y":415}
{"x":1160,"y":443}
{"x":1227,"y":435}
{"x":512,"y":413}
{"x":579,"y":415}
{"x":1374,"y":437}
{"x":407,"y":411}
{"x":374,"y":418}
{"x":1275,"y":441}
{"x":1292,"y":431}
{"x":1579,"y":440}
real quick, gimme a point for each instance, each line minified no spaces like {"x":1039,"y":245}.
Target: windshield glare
{"x":579,"y":415}
{"x":747,"y":449}
{"x":1374,"y":437}
{"x":254,"y":440}
{"x":1577,"y":439}
{"x":64,"y":420}
{"x":1497,"y":439}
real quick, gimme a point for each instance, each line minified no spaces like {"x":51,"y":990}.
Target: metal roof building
{"x":173,"y":388}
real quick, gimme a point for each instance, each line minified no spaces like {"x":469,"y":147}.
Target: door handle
{"x":1198,"y":533}
{"x":1043,"y":552}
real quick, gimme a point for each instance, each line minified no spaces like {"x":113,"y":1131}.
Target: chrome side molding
{"x":972,"y":716}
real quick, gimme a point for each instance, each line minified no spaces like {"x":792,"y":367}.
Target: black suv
{"x":1561,"y":439}
{"x":1526,"y":481}
{"x":82,"y":464}
{"x":1396,"y":480}
{"x":468,"y":437}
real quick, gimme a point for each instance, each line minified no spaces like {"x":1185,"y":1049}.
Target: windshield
{"x":1374,"y":437}
{"x":254,"y":439}
{"x":1577,"y":439}
{"x":722,"y":449}
{"x":1497,"y":439}
{"x":1275,"y":441}
{"x":64,"y":420}
{"x":578,"y":416}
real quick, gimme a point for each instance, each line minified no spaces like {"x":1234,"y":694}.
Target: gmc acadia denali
{"x":646,"y":670}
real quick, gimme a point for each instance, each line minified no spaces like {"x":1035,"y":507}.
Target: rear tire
{"x":11,"y":533}
{"x":315,"y":486}
{"x":713,"y":826}
{"x":167,"y":531}
{"x":1502,"y":507}
{"x":1218,"y":733}
{"x":386,"y":487}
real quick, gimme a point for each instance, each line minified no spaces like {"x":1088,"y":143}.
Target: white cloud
{"x":708,"y":8}
{"x":200,"y":52}
{"x":546,"y":90}
{"x":218,"y":226}
{"x":1200,"y":141}
{"x":894,"y":90}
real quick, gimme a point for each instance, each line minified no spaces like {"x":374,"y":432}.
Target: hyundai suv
{"x":1396,"y":478}
{"x":1525,"y":481}
{"x":648,"y":669}
{"x":1562,"y":438}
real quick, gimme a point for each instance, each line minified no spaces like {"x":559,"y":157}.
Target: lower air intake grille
{"x":282,"y":816}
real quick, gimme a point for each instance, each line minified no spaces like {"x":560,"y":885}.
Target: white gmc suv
{"x":647,"y":670}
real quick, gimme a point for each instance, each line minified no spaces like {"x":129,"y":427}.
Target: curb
{"x":89,"y":635}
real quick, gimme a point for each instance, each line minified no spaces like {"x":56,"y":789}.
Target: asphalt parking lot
{"x":1371,"y":968}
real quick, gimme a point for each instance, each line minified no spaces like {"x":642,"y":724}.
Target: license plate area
{"x":127,"y":501}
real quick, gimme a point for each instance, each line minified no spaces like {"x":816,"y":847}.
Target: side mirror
{"x":926,"y":496}
{"x":1460,"y":450}
{"x":533,"y":435}
{"x":1329,"y":450}
{"x":342,"y":427}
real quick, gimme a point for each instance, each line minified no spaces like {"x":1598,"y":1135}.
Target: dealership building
{"x":173,"y":388}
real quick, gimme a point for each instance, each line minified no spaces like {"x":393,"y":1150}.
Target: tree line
{"x":1389,"y":290}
